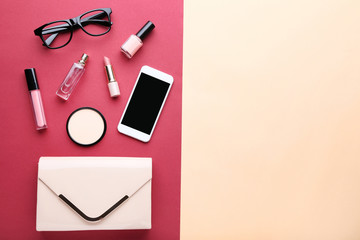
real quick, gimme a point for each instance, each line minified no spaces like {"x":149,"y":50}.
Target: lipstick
{"x":112,"y":85}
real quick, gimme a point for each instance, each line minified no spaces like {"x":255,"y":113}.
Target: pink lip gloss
{"x":72,"y":78}
{"x":135,"y":42}
{"x":35,"y":98}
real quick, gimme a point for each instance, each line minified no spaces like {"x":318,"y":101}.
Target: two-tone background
{"x":270,"y":125}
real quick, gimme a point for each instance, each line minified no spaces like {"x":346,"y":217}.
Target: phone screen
{"x":145,"y":103}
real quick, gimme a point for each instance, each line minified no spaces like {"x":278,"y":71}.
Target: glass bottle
{"x":72,"y":78}
{"x":135,"y":42}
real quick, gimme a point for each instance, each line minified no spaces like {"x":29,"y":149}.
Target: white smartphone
{"x":146,"y":101}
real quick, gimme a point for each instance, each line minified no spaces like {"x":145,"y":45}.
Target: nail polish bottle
{"x":135,"y":42}
{"x":72,"y":78}
{"x":35,"y":98}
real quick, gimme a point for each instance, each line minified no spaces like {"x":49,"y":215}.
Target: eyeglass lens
{"x":96,"y":22}
{"x":57,"y":34}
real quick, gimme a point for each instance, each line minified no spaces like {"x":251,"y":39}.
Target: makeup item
{"x":35,"y":98}
{"x":72,"y":78}
{"x":112,"y":85}
{"x":86,"y":126}
{"x":135,"y":42}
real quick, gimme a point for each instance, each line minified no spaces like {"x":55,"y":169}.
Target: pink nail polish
{"x":35,"y":98}
{"x":135,"y":42}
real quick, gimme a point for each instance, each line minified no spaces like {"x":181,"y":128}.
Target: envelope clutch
{"x":93,"y":193}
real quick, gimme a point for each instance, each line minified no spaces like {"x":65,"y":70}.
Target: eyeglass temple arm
{"x":56,"y":30}
{"x":97,"y":21}
{"x":50,"y":39}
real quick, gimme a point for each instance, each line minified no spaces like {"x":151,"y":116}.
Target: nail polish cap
{"x":31,"y":79}
{"x":145,"y":30}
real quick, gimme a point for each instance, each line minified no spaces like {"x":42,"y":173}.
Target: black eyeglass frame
{"x":74,"y":23}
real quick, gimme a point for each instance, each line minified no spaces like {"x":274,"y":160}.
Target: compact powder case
{"x":86,"y":126}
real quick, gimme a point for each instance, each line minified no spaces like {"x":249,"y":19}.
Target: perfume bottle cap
{"x":84,"y":58}
{"x":31,"y":79}
{"x":145,"y":30}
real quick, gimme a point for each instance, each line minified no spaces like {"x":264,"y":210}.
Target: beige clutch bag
{"x":92,"y":193}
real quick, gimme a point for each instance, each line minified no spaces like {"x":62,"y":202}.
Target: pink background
{"x":22,"y":145}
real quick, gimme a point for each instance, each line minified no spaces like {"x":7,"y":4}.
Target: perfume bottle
{"x":72,"y":78}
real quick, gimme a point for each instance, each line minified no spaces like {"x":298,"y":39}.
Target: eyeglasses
{"x":58,"y":34}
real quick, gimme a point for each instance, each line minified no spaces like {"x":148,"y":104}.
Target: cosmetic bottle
{"x":72,"y":78}
{"x":135,"y":42}
{"x":35,"y":98}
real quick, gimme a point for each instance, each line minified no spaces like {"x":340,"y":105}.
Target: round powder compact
{"x":86,"y":126}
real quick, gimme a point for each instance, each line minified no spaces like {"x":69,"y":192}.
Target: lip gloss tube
{"x":35,"y":98}
{"x":112,"y":83}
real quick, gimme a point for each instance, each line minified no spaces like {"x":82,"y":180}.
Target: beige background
{"x":271,"y":120}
